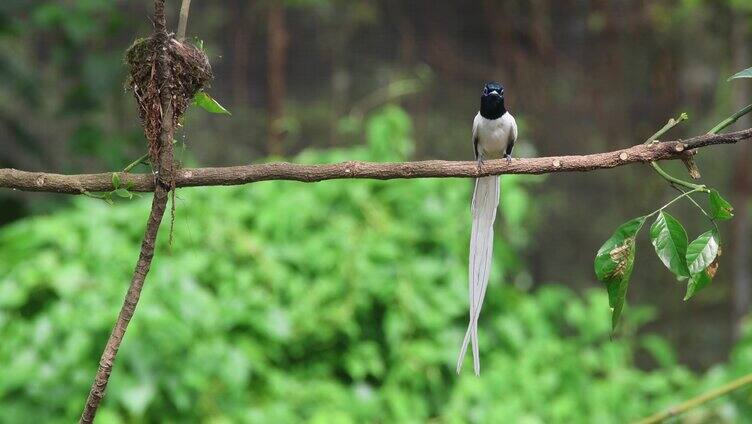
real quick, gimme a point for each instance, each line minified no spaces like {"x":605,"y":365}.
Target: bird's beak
{"x":495,"y":93}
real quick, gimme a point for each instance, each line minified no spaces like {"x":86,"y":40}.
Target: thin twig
{"x":731,"y":119}
{"x":689,"y":162}
{"x":668,"y":177}
{"x":697,"y":401}
{"x":183,"y":22}
{"x":666,"y":128}
{"x":236,"y":175}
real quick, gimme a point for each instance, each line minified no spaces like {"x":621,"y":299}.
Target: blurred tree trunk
{"x":278,"y":40}
{"x":241,"y":49}
{"x":740,"y":236}
{"x":540,"y":29}
{"x":505,"y":51}
{"x":341,"y":78}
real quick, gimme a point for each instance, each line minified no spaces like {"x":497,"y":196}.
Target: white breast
{"x":494,"y":135}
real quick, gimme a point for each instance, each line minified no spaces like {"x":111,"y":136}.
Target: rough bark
{"x":236,"y":175}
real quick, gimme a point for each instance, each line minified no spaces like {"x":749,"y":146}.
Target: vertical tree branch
{"x":160,"y":21}
{"x":164,"y":177}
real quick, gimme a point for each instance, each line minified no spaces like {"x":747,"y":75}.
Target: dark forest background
{"x":580,"y":76}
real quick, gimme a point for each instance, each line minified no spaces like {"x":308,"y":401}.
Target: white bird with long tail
{"x":494,"y":134}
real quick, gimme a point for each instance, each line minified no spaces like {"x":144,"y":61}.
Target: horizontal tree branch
{"x":236,"y":175}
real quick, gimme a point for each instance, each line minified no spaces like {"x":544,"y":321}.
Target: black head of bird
{"x":492,"y":101}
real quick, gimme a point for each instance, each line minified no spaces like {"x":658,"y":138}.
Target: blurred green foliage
{"x":336,"y":302}
{"x":59,"y":69}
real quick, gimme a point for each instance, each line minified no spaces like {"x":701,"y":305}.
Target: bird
{"x":494,"y":135}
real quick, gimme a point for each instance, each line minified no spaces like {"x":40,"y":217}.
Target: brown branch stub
{"x":236,"y":175}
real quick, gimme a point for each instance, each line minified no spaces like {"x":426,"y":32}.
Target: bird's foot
{"x":508,"y":158}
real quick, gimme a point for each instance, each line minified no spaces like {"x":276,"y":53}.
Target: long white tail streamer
{"x":485,"y":202}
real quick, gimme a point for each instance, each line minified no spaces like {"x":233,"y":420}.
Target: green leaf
{"x":199,"y":43}
{"x":614,"y":263}
{"x":698,"y":282}
{"x":605,"y":265}
{"x":719,"y":207}
{"x":206,"y":102}
{"x":115,"y":180}
{"x":702,"y":252}
{"x":124,"y":193}
{"x":702,"y":279}
{"x":670,"y":241}
{"x":747,"y":73}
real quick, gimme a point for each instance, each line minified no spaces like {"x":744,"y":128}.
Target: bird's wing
{"x":476,"y":123}
{"x":512,"y":136}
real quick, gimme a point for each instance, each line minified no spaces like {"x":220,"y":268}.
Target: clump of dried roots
{"x":190,"y":72}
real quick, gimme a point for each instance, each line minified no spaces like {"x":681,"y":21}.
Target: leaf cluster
{"x":694,"y":262}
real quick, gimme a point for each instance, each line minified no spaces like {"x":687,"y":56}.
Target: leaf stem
{"x":136,"y":162}
{"x":691,"y":199}
{"x":93,"y":195}
{"x":683,"y":407}
{"x":672,"y":179}
{"x":142,"y":159}
{"x":700,"y":208}
{"x":707,"y":215}
{"x":681,"y":196}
